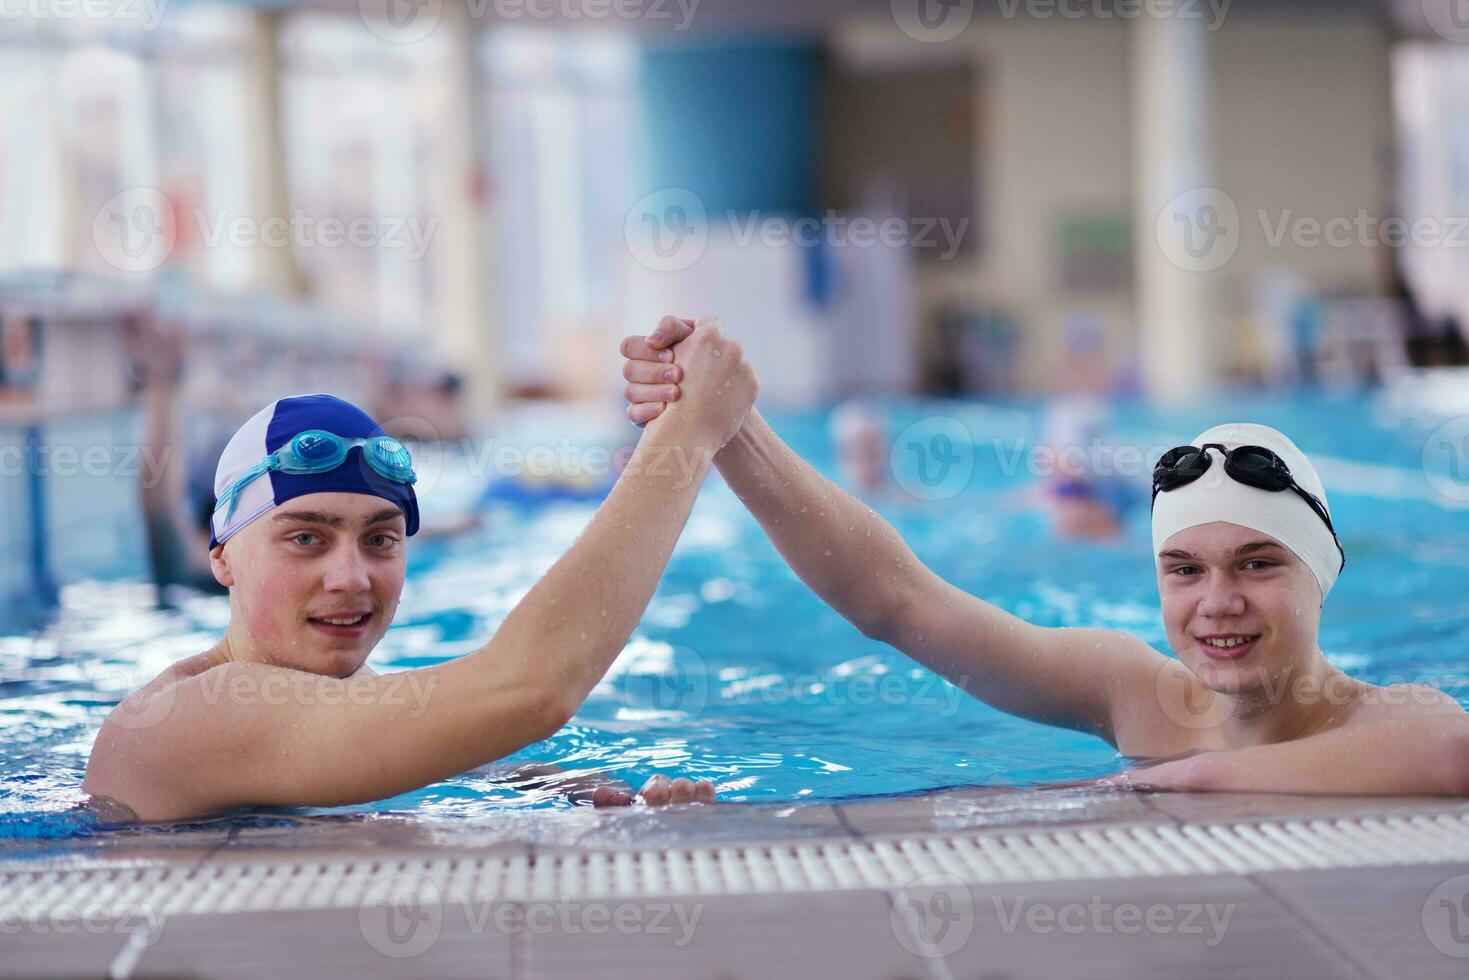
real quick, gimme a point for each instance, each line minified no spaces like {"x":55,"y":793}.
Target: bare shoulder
{"x":142,"y":720}
{"x":1127,"y":675}
{"x":1402,"y":702}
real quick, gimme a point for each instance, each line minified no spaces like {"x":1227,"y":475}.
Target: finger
{"x":647,"y":372}
{"x":637,"y":348}
{"x":610,"y":796}
{"x":704,"y":791}
{"x":656,"y":791}
{"x":670,"y":330}
{"x":683,"y":790}
{"x":641,"y":414}
{"x":651,"y":393}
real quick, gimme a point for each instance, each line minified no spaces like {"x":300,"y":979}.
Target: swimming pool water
{"x":739,"y":674}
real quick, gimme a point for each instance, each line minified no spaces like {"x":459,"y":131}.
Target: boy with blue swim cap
{"x":308,"y":444}
{"x":314,"y":503}
{"x":1245,"y":551}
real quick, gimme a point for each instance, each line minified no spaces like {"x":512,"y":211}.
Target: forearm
{"x":839,"y":546}
{"x":570,"y":627}
{"x":163,"y":480}
{"x":1419,"y":759}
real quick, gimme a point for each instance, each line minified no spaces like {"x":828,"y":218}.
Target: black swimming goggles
{"x":1254,"y":466}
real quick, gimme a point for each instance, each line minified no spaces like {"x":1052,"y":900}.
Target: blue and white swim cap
{"x":273,"y":427}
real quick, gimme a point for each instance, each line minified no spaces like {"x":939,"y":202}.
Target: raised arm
{"x":847,"y":554}
{"x":250,"y":734}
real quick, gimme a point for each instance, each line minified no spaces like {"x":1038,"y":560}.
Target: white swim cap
{"x":1283,"y":516}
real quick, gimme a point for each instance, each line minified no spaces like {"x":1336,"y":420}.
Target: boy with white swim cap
{"x":314,"y":504}
{"x":1245,"y":552}
{"x":1300,"y":520}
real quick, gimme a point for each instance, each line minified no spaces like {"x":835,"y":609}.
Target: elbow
{"x":886,"y":622}
{"x":546,"y":713}
{"x":882,"y":628}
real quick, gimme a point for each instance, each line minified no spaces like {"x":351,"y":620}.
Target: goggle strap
{"x":249,"y":476}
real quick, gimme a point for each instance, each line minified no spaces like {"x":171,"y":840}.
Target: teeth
{"x":1232,"y":641}
{"x":344,"y":622}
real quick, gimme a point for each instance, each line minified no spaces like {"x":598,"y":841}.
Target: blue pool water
{"x":740,"y":675}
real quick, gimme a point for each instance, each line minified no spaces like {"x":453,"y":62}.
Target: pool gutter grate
{"x":1127,"y":851}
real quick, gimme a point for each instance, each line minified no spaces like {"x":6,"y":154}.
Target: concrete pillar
{"x":464,"y":334}
{"x":1182,"y":222}
{"x":273,"y":269}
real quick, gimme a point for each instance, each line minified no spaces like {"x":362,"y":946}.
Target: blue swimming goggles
{"x":316,"y":451}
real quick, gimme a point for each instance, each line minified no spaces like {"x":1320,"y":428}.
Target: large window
{"x":1431,"y":92}
{"x":564,"y":123}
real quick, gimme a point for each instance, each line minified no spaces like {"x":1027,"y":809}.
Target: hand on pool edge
{"x":657,"y":791}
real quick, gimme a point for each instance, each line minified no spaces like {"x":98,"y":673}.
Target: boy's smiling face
{"x":316,"y":582}
{"x":1240,"y":609}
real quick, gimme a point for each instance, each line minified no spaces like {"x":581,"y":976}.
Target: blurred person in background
{"x":1084,"y":493}
{"x":177,"y":505}
{"x":859,"y":434}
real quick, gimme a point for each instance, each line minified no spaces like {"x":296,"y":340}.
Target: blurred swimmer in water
{"x":859,"y":435}
{"x":1087,"y":497}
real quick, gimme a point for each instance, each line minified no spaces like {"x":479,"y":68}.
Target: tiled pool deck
{"x":963,"y":883}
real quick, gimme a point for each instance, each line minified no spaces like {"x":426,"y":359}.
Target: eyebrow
{"x":332,"y":520}
{"x":1244,"y":549}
